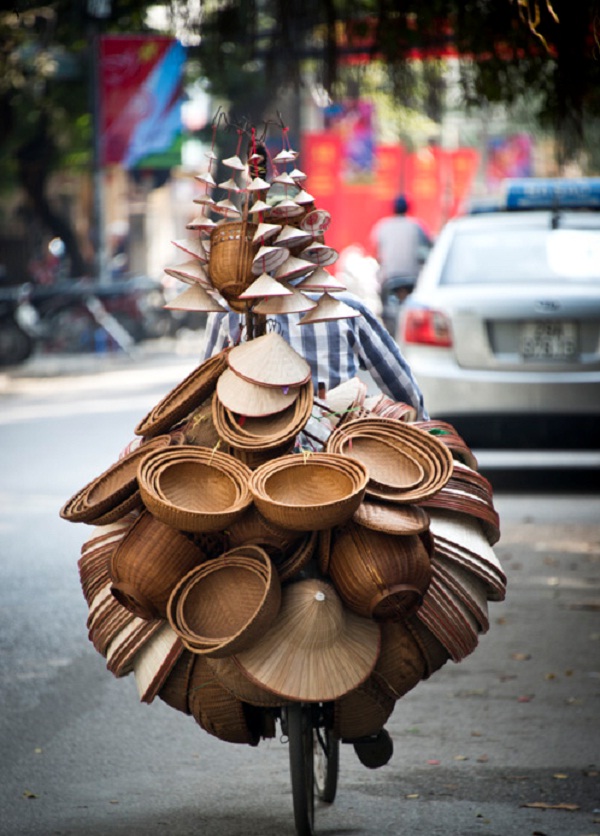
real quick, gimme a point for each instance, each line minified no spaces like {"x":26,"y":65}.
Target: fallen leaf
{"x":461,"y":758}
{"x":476,"y":734}
{"x":433,"y":762}
{"x":525,"y":698}
{"x":38,"y":751}
{"x":573,"y":701}
{"x":568,"y":672}
{"x":113,"y":801}
{"x":483,"y":759}
{"x":520,"y":657}
{"x":550,"y":676}
{"x":545,"y":805}
{"x":412,"y":795}
{"x":560,"y":775}
{"x":29,"y":794}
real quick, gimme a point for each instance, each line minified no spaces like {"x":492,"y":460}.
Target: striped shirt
{"x":335,"y":349}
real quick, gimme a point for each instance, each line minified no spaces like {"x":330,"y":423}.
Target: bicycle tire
{"x":326,"y":749}
{"x":300,"y":736}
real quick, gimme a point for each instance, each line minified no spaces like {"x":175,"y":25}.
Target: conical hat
{"x":316,"y":221}
{"x":202,"y":223}
{"x":230,"y":185}
{"x":205,"y":199}
{"x":195,"y":298}
{"x":193,"y":247}
{"x":296,"y":302}
{"x":287,"y":208}
{"x":293,"y":267}
{"x":304,"y":197}
{"x":191,"y":272}
{"x":264,"y":232}
{"x":269,"y":361}
{"x":291,"y":236}
{"x":321,"y":279}
{"x":234,"y":162}
{"x":206,"y":177}
{"x":329,"y":308}
{"x":247,"y":398}
{"x":268,"y":259}
{"x":285,"y":179}
{"x":297,"y":175}
{"x":316,"y":649}
{"x":257,"y":184}
{"x":259,"y":206}
{"x":227,"y":208}
{"x":320,"y":254}
{"x":265,"y":286}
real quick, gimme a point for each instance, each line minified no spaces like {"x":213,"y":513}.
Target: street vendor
{"x":335,"y":349}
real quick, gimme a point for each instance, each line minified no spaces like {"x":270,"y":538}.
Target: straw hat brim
{"x":316,"y":649}
{"x":251,"y":399}
{"x":269,"y":361}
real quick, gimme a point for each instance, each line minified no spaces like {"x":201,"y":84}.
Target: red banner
{"x":140,"y":97}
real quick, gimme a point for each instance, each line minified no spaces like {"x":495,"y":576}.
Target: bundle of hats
{"x":264,"y":252}
{"x":232,"y":575}
{"x":241,"y":560}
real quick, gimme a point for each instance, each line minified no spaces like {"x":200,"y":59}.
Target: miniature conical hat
{"x":202,"y":223}
{"x":320,"y":254}
{"x":291,"y":236}
{"x":285,"y":179}
{"x":229,"y":185}
{"x":297,"y":175}
{"x":316,"y":221}
{"x":287,"y":208}
{"x":264,"y":232}
{"x":263,"y":287}
{"x":296,"y":302}
{"x":316,"y":649}
{"x":257,"y":184}
{"x":234,"y":162}
{"x":286,"y":155}
{"x":226,"y":207}
{"x":190,"y":272}
{"x":195,"y":298}
{"x":270,"y":361}
{"x":268,"y":259}
{"x":247,"y":398}
{"x":304,"y":197}
{"x":293,"y":267}
{"x":207,"y":178}
{"x":259,"y":206}
{"x":321,"y":279}
{"x":329,"y":308}
{"x":193,"y":247}
{"x":205,"y":200}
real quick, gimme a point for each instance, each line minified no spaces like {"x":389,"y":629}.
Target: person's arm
{"x":381,"y":357}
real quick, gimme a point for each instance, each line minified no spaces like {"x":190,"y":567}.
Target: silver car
{"x":502,"y":330}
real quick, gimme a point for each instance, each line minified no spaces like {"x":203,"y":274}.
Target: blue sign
{"x":552,"y":193}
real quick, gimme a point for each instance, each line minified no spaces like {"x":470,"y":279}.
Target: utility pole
{"x":98,"y":10}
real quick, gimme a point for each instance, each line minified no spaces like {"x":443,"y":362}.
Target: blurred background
{"x":107,"y":108}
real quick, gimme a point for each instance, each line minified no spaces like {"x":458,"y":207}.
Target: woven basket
{"x":231,"y":255}
{"x":434,"y":652}
{"x":427,"y":451}
{"x":185,"y":397}
{"x":175,"y":691}
{"x":309,"y":493}
{"x":215,"y":708}
{"x":114,"y":493}
{"x":233,"y":678}
{"x":148,"y":563}
{"x":362,"y":712}
{"x":194,"y":489}
{"x":225,"y":605}
{"x":401,"y":664}
{"x":378,"y":575}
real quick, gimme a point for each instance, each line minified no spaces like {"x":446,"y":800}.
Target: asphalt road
{"x":506,"y":743}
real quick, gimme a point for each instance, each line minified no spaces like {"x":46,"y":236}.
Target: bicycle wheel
{"x":300,"y":735}
{"x":326,"y":749}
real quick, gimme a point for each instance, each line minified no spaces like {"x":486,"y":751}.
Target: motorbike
{"x":18,"y":320}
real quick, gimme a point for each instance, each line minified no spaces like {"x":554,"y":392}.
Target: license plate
{"x":548,"y":340}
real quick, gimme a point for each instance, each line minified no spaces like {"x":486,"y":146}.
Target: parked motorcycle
{"x":17,"y":325}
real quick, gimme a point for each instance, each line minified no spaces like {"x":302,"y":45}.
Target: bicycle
{"x":314,"y":759}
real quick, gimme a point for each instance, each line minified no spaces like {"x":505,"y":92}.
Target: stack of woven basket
{"x":233,"y":571}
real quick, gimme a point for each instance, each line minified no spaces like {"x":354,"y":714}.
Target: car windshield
{"x":523,"y":255}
